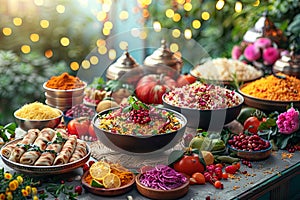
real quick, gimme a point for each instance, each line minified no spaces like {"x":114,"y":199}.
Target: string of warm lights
{"x":177,"y":11}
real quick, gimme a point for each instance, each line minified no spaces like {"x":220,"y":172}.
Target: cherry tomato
{"x":218,"y":184}
{"x":79,"y":126}
{"x":92,"y":131}
{"x":185,"y":79}
{"x":230,"y":169}
{"x":220,"y":165}
{"x":199,"y":177}
{"x":189,"y":164}
{"x":224,"y":175}
{"x":78,"y":189}
{"x":237,"y":165}
{"x":251,"y":124}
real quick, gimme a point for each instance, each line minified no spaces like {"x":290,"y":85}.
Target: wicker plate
{"x":45,"y":170}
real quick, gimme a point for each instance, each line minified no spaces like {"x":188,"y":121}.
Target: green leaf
{"x":201,"y":159}
{"x":175,"y":156}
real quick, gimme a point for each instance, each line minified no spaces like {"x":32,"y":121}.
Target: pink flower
{"x":252,"y":53}
{"x":288,"y":122}
{"x":236,"y":52}
{"x":270,"y":55}
{"x":263,"y":43}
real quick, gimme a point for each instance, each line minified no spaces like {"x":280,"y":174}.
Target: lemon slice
{"x":95,"y":183}
{"x":99,"y":170}
{"x":111,"y":181}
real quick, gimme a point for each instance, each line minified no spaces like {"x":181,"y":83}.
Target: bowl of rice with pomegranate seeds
{"x":139,"y":128}
{"x":205,"y":106}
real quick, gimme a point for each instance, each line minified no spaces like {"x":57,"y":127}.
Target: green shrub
{"x":21,"y":78}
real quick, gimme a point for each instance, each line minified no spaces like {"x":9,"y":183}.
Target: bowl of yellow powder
{"x":37,"y":115}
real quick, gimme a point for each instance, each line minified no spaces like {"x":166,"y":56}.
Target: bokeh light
{"x":174,"y":47}
{"x":176,"y":17}
{"x":256,"y":3}
{"x":205,"y":15}
{"x":169,"y":13}
{"x":102,"y":50}
{"x":48,"y":53}
{"x":34,"y":37}
{"x":123,"y":45}
{"x":64,"y":41}
{"x":108,"y":25}
{"x":176,"y":33}
{"x":101,"y":16}
{"x":188,"y":6}
{"x":6,"y":31}
{"x":85,"y":64}
{"x":17,"y":21}
{"x":60,"y":9}
{"x":238,"y":7}
{"x":94,"y":60}
{"x":123,"y":15}
{"x":112,"y":54}
{"x":188,"y":33}
{"x":25,"y":49}
{"x":44,"y":23}
{"x":143,"y":35}
{"x":74,"y":66}
{"x":220,"y":4}
{"x":196,"y":24}
{"x":157,"y":26}
{"x":135,"y":32}
{"x":100,"y":42}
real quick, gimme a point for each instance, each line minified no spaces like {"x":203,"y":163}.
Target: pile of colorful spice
{"x":64,"y":82}
{"x":202,"y":96}
{"x":274,"y":88}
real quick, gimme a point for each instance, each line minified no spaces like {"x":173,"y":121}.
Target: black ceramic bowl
{"x":213,"y":120}
{"x":133,"y":144}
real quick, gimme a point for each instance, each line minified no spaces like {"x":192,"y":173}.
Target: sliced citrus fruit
{"x":111,"y":181}
{"x":95,"y":183}
{"x":99,"y":169}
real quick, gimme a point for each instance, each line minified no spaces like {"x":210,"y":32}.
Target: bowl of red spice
{"x":64,"y":85}
{"x":64,"y":91}
{"x":206,"y":106}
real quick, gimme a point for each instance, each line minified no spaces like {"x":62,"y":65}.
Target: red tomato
{"x":251,"y":124}
{"x":151,"y":88}
{"x":185,"y":79}
{"x":199,"y":177}
{"x":189,"y":164}
{"x":79,"y":126}
{"x":92,"y":131}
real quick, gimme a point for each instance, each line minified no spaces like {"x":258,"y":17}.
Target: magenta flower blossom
{"x":270,"y":55}
{"x":236,"y":52}
{"x":263,"y":43}
{"x":252,"y":53}
{"x":288,"y":122}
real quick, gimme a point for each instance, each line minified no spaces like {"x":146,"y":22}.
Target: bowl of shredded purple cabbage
{"x":162,"y":182}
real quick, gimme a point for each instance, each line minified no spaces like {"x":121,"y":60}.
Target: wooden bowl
{"x":107,"y":192}
{"x":251,"y":155}
{"x":161,"y":194}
